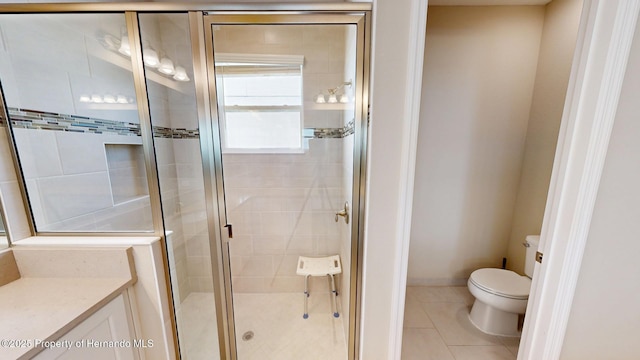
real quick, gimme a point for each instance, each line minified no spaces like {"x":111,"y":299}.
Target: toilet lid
{"x":502,"y":282}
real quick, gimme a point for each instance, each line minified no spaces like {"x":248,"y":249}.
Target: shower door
{"x":287,"y":100}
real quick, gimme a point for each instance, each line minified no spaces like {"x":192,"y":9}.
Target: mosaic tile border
{"x":32,"y":119}
{"x":41,"y":120}
{"x":178,"y":133}
{"x":331,"y":133}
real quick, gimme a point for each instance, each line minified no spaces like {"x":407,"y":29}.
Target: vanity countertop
{"x":58,"y":289}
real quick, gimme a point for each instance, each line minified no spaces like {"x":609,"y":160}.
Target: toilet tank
{"x":530,"y":256}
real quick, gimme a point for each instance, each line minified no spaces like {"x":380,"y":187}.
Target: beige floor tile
{"x":424,"y":344}
{"x":464,"y":295}
{"x":415,"y":316}
{"x":452,"y":322}
{"x":511,"y":343}
{"x":481,"y":353}
{"x":429,"y":294}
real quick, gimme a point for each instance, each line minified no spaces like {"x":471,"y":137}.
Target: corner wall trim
{"x":607,"y":27}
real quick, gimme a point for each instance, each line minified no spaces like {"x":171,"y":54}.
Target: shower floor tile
{"x":281,"y":333}
{"x":276,"y":321}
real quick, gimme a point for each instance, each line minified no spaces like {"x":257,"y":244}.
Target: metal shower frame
{"x":201,"y":18}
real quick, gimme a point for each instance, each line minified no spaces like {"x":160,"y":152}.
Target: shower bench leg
{"x":306,"y":297}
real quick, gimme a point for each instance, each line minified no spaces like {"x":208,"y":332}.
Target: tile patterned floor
{"x":437,"y":327}
{"x":281,"y":332}
{"x":276,"y":320}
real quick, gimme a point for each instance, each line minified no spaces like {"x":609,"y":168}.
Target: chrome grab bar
{"x":344,"y":213}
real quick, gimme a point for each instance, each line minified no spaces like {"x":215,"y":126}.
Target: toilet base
{"x":493,"y":321}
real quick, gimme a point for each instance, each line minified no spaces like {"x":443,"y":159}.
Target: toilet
{"x":501,"y":295}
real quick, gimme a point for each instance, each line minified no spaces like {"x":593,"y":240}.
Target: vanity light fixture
{"x":106,"y":99}
{"x":333,"y":94}
{"x":150,"y":57}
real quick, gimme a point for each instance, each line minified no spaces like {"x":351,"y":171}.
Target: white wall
{"x":479,"y":71}
{"x":605,"y":318}
{"x":561,"y":21}
{"x":396,"y":61}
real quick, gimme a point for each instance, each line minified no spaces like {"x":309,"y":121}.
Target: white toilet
{"x":501,"y":295}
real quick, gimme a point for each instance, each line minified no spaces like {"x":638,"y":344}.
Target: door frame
{"x":602,"y":51}
{"x":212,"y":154}
{"x":600,"y":61}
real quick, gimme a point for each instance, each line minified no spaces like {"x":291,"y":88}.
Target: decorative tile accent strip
{"x":180,"y":133}
{"x":348,"y":129}
{"x":327,"y":133}
{"x":31,"y":119}
{"x":330,"y":133}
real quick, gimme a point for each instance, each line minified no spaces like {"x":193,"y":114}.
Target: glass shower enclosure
{"x":235,"y":134}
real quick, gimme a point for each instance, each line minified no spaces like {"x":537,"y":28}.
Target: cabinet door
{"x":99,"y":337}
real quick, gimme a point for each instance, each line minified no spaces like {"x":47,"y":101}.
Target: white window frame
{"x":231,"y":59}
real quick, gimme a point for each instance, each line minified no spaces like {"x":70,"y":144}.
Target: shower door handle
{"x":344,"y":213}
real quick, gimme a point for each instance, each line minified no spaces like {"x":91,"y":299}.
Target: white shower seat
{"x":319,"y":266}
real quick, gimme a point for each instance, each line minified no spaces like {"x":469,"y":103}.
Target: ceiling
{"x":488,"y":2}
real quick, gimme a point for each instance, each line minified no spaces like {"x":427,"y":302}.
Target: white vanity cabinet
{"x":107,"y":334}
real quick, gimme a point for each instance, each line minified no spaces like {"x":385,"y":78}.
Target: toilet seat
{"x":503,"y":283}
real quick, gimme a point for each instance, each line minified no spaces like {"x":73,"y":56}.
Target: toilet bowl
{"x":501,"y":295}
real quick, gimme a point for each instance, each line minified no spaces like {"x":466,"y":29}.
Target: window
{"x":260,"y":103}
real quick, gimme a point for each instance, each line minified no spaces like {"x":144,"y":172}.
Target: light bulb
{"x":320,"y":99}
{"x":96,"y":99}
{"x":85,"y":98}
{"x":181,"y":74}
{"x":124,"y":49}
{"x":109,"y":99}
{"x":166,"y":67}
{"x":332,"y":99}
{"x":150,"y":57}
{"x":344,"y":98}
{"x":121,"y":99}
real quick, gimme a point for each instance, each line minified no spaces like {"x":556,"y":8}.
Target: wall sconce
{"x":333,"y":96}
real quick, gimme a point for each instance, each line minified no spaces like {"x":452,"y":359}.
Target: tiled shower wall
{"x":179,"y":162}
{"x":69,"y":184}
{"x":283,"y":205}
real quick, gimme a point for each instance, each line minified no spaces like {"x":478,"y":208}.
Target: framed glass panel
{"x":172,"y":102}
{"x":73,"y":113}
